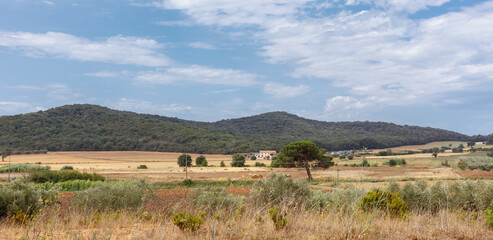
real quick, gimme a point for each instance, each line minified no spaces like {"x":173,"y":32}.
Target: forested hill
{"x":91,"y":127}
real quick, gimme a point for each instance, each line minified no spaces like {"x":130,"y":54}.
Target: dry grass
{"x":301,"y":225}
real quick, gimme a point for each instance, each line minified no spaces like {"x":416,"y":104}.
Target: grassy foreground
{"x":302,"y":225}
{"x":276,"y":208}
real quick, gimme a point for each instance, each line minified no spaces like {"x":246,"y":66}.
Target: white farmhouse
{"x":263,"y":154}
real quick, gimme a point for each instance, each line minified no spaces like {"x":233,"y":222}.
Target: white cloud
{"x":378,"y":54}
{"x":49,"y":3}
{"x":227,"y":12}
{"x":202,"y":45}
{"x":61,"y":92}
{"x":410,"y":6}
{"x":345,"y":103}
{"x":117,"y":49}
{"x":109,"y":74}
{"x":198,"y":74}
{"x":149,"y":107}
{"x":179,"y":23}
{"x":279,"y":90}
{"x":7,"y":108}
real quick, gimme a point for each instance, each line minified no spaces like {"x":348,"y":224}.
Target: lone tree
{"x":201,"y":161}
{"x":238,"y":160}
{"x":5,"y":153}
{"x":182,"y":162}
{"x":470,"y":144}
{"x":435,"y":151}
{"x":302,"y":152}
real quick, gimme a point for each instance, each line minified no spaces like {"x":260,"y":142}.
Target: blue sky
{"x":415,"y":62}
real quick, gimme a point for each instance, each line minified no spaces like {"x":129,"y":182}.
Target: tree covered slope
{"x":91,"y":127}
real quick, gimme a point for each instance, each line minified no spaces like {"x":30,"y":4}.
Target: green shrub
{"x":22,"y":168}
{"x":62,"y":176}
{"x":213,"y":200}
{"x":392,"y":162}
{"x":342,"y":199}
{"x":364,"y":163}
{"x":489,"y":217}
{"x":278,"y":218}
{"x":483,"y":163}
{"x":446,"y":164}
{"x":108,"y":197}
{"x":277,"y":188}
{"x":24,"y":199}
{"x":142,"y":167}
{"x":350,"y":157}
{"x":253,"y":158}
{"x":187,"y":182}
{"x":238,"y":160}
{"x":389,"y":202}
{"x":259,"y":164}
{"x":66,"y":168}
{"x":462,"y":165}
{"x":187,"y":221}
{"x":222,"y":164}
{"x":72,"y":185}
{"x":201,"y":161}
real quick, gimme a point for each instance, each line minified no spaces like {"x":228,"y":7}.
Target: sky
{"x":414,"y":62}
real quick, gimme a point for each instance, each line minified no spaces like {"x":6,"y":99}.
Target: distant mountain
{"x":92,"y":127}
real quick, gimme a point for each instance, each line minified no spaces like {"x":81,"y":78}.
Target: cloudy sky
{"x":415,"y":62}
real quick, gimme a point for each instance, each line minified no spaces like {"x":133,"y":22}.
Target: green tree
{"x":303,"y":152}
{"x":490,"y":140}
{"x":238,"y":160}
{"x":470,"y":144}
{"x":435,"y":151}
{"x":201,"y":161}
{"x":253,"y":158}
{"x":182,"y":162}
{"x":5,"y":153}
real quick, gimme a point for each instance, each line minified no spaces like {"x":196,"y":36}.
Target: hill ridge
{"x":94,"y":127}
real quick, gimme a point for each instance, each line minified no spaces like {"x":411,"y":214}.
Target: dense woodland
{"x":96,"y":128}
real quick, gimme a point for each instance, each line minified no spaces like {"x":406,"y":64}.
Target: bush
{"x":62,"y":176}
{"x":213,"y":200}
{"x":446,"y":164}
{"x":185,"y":160}
{"x":278,"y":218}
{"x":259,"y":164}
{"x":187,"y":182}
{"x":394,"y":162}
{"x":22,"y":168}
{"x":460,"y":195}
{"x":222,"y":164}
{"x":238,"y":160}
{"x":462,"y":165}
{"x":201,"y":161}
{"x":483,"y":163}
{"x":24,"y":198}
{"x":66,"y":168}
{"x":389,"y":202}
{"x":489,"y":217}
{"x":350,"y":157}
{"x":187,"y":221}
{"x":142,"y":167}
{"x":72,"y":185}
{"x":255,"y":158}
{"x":112,"y":197}
{"x":340,"y":199}
{"x":277,"y":189}
{"x":364,"y":163}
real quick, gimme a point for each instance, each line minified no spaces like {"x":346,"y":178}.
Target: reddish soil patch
{"x":165,"y":198}
{"x":475,"y":174}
